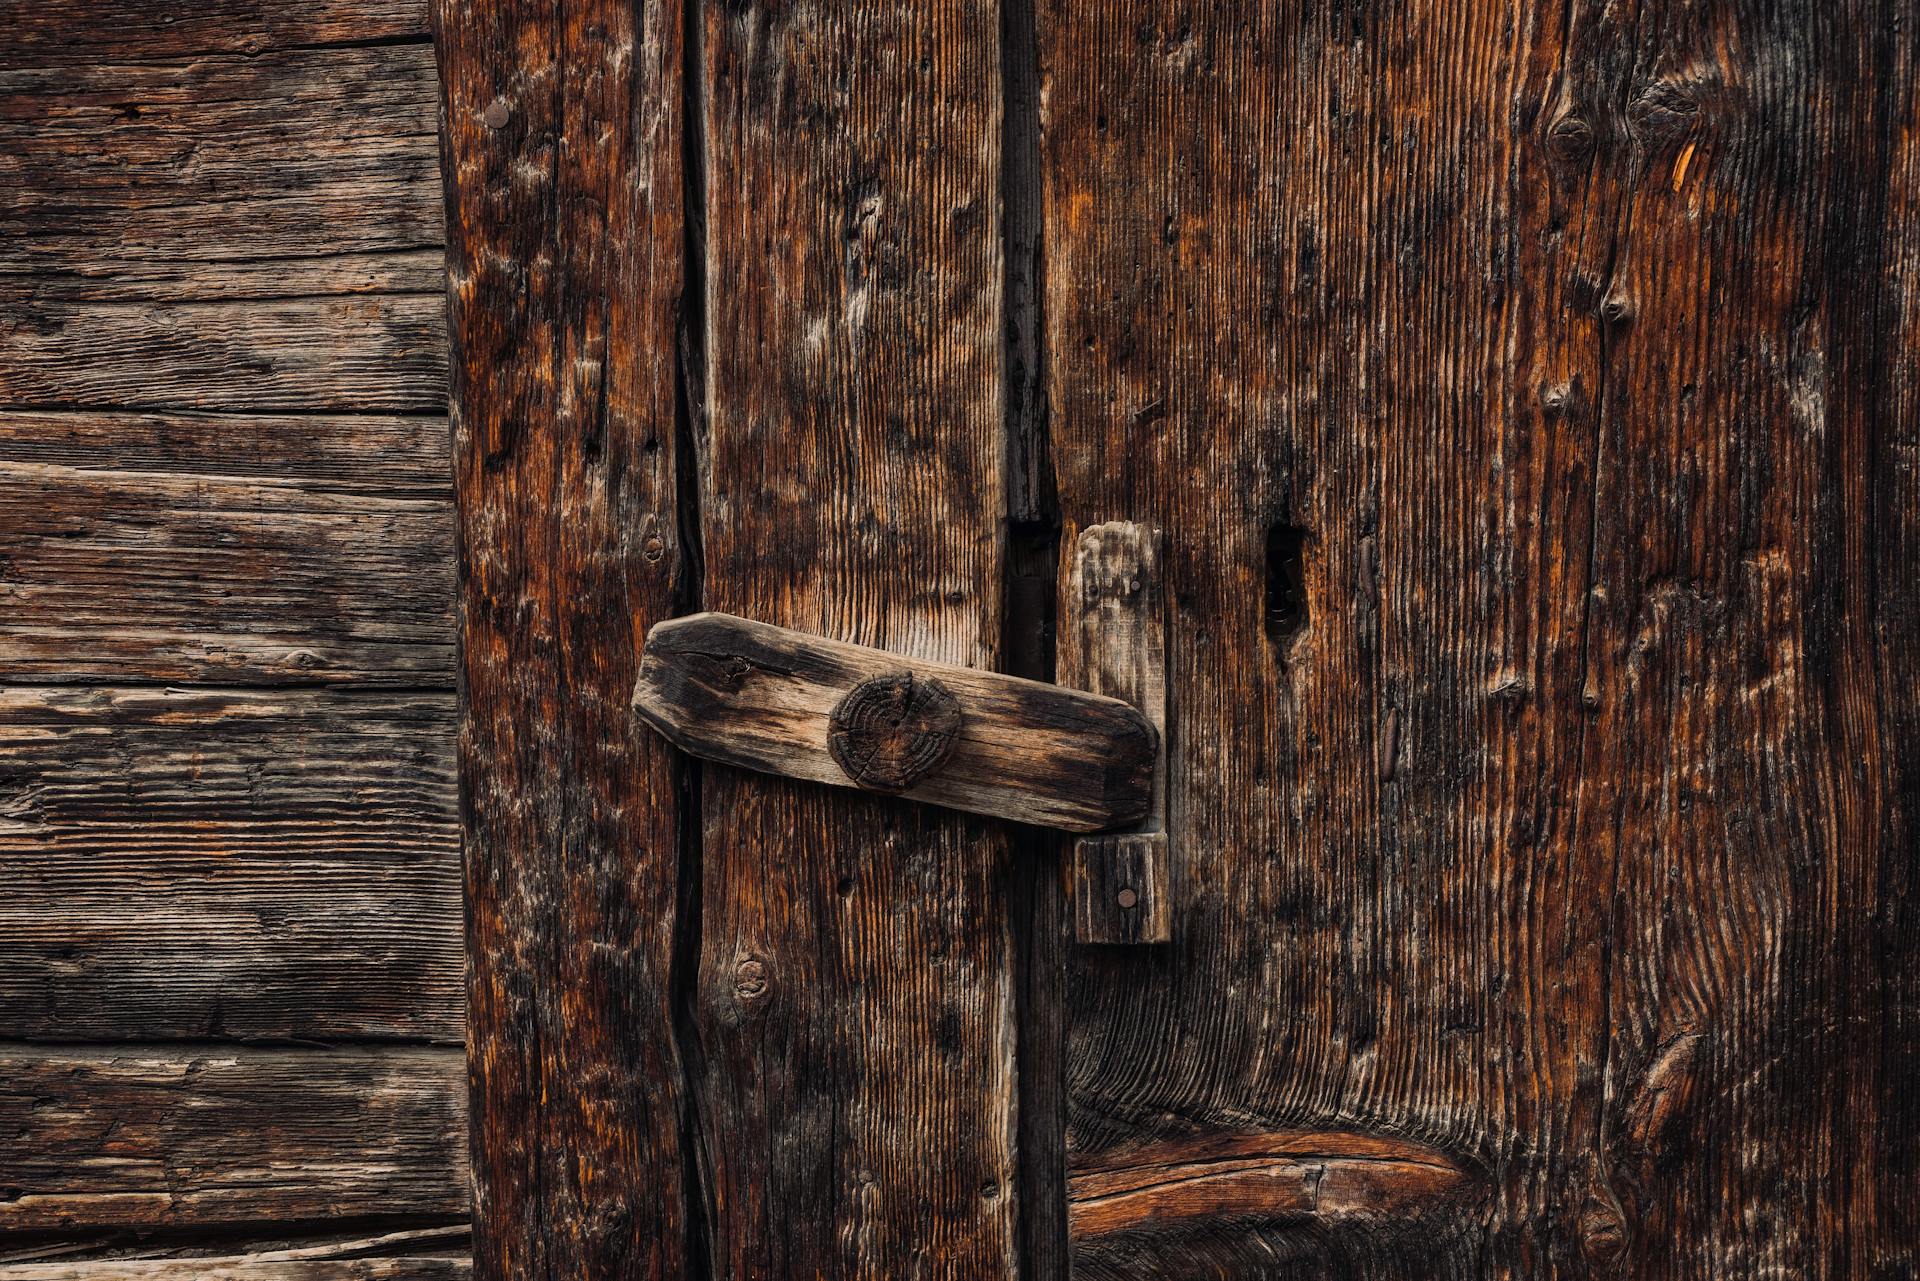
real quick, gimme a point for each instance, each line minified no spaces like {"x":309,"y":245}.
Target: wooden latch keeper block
{"x":1113,"y":642}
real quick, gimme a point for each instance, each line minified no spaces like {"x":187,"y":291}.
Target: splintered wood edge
{"x":761,"y":697}
{"x":1288,"y":1175}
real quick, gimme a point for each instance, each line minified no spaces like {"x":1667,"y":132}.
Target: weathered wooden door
{"x":1528,"y":399}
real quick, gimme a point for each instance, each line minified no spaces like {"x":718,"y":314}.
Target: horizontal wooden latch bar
{"x":749,"y":694}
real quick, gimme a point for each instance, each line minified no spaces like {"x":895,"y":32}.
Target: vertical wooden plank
{"x":855,"y":1003}
{"x":1556,"y":817}
{"x":562,"y":123}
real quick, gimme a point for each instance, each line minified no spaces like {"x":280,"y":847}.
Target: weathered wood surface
{"x":208,"y":211}
{"x":375,"y":353}
{"x":134,"y":171}
{"x":187,"y":864}
{"x":765,"y":698}
{"x":854,"y":1003}
{"x":242,"y":1268}
{"x":367,"y":454}
{"x":112,"y":575}
{"x":163,"y":1137}
{"x":1317,"y":1179}
{"x":238,"y":229}
{"x":1566,"y":822}
{"x":1123,"y":888}
{"x":1113,"y":641}
{"x":419,"y":1254}
{"x":563,"y":165}
{"x":120,"y":33}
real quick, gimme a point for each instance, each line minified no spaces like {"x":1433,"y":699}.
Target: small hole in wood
{"x":1286,"y":604}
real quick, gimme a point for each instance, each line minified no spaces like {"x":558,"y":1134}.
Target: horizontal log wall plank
{"x":112,"y":576}
{"x":440,"y":1267}
{"x":312,"y":157}
{"x":229,"y":230}
{"x":380,"y":353}
{"x":123,"y":32}
{"x":258,"y":865}
{"x":347,"y":453}
{"x":419,"y":1254}
{"x":766,"y":698}
{"x":115,"y":1136}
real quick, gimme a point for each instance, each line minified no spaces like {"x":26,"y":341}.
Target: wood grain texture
{"x":208,"y":211}
{"x":177,"y":170}
{"x":1322,"y":1179}
{"x":122,"y":32}
{"x":854,"y":1007}
{"x":419,"y":1254}
{"x":1569,"y":828}
{"x":179,"y":1138}
{"x":238,"y":229}
{"x":243,"y":1268}
{"x":162,"y":576}
{"x":186,"y":864}
{"x":366,"y":454}
{"x":1123,"y":888}
{"x":760,"y":697}
{"x":564,"y":189}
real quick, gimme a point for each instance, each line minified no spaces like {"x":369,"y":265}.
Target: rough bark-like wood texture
{"x":563,"y":164}
{"x":208,"y":212}
{"x":1569,"y":828}
{"x":854,"y":1006}
{"x":747,"y":694}
{"x":158,"y":1137}
{"x":202,"y":864}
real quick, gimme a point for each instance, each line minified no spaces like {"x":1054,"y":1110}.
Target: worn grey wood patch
{"x":1113,"y":642}
{"x":763,"y":697}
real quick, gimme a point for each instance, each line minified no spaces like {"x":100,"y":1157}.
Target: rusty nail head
{"x":497,"y":116}
{"x":1126,"y":898}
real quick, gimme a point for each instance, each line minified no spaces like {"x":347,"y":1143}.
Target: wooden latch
{"x":1085,"y":759}
{"x":749,"y":694}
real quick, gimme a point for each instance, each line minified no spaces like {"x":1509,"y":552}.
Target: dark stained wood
{"x":1568,"y":826}
{"x":563,"y":164}
{"x":854,"y":1008}
{"x":143,"y":575}
{"x":183,"y":864}
{"x":1114,"y":642}
{"x":209,"y":211}
{"x":162,"y":1137}
{"x":760,"y":697}
{"x":1122,"y":889}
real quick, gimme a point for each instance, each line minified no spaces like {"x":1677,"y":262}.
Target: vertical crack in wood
{"x":1037,"y":910}
{"x":690,"y":442}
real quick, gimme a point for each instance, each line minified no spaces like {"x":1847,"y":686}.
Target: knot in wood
{"x":890,"y":732}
